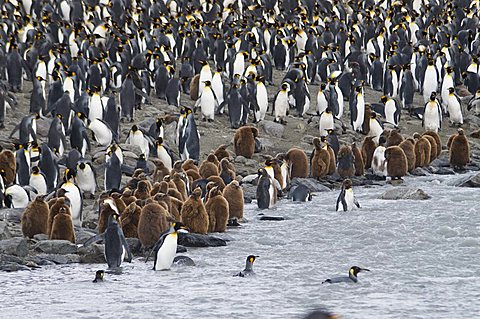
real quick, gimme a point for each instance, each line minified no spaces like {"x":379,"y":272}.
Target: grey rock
{"x":40,"y":237}
{"x":183,"y":261}
{"x":442,"y":161}
{"x":308,"y":139}
{"x":240,"y":159}
{"x":60,"y":247}
{"x":181,"y":249}
{"x":54,"y":258}
{"x":468,"y":181}
{"x":419,"y":172}
{"x":10,"y":267}
{"x":11,"y":214}
{"x":442,"y":170}
{"x":412,"y":193}
{"x":272,"y":129}
{"x":134,"y":245}
{"x":83,"y":235}
{"x":93,"y":254}
{"x":312,"y":184}
{"x":16,"y":246}
{"x":199,"y":240}
{"x":4,"y":231}
{"x":249,"y":191}
{"x":266,"y":142}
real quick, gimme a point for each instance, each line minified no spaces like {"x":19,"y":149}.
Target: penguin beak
{"x":364,"y":269}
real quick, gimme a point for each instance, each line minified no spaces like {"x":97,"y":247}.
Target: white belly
{"x":166,"y":253}
{"x":75,"y":200}
{"x":164,"y":157}
{"x":455,"y":110}
{"x":358,"y":123}
{"x":207,"y":104}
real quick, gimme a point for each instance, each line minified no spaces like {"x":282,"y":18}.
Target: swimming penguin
{"x":281,"y":104}
{"x":346,"y":200}
{"x":166,"y":248}
{"x":301,"y":193}
{"x":99,"y":275}
{"x":116,"y":245}
{"x":454,"y":106}
{"x":74,"y":194}
{"x":432,"y":114}
{"x":188,"y":136}
{"x":86,"y":177}
{"x":266,"y":190}
{"x":16,"y":196}
{"x":351,"y":278}
{"x":248,"y":271}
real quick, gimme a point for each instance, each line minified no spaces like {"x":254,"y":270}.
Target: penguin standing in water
{"x":74,"y":194}
{"x":351,"y":278}
{"x":432,"y":114}
{"x":166,"y":247}
{"x":346,"y":201}
{"x":188,"y":137}
{"x":266,"y":190}
{"x":116,"y":245}
{"x":248,"y":271}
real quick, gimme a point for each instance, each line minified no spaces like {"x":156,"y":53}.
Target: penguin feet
{"x":210,"y":120}
{"x":283,"y":122}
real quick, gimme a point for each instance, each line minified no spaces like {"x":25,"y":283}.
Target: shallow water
{"x":422,"y":257}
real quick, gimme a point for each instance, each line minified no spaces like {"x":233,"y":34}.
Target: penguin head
{"x":113,"y":218}
{"x":285,"y":87}
{"x":251,"y":259}
{"x":347,"y":183}
{"x":433,"y":96}
{"x":69,"y":174}
{"x":373,"y":115}
{"x":451,"y":90}
{"x":134,"y":128}
{"x":35,"y":170}
{"x":353,"y":272}
{"x":207,"y":83}
{"x":99,"y":275}
{"x":269,"y":162}
{"x":384,"y":99}
{"x":179,"y":226}
{"x":81,"y":166}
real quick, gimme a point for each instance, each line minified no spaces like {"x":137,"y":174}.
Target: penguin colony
{"x":93,"y":64}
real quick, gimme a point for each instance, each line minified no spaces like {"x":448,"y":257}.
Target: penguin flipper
{"x":344,"y":203}
{"x":355,"y":201}
{"x":157,"y":246}
{"x":94,"y":239}
{"x":125,"y":244}
{"x":339,"y":199}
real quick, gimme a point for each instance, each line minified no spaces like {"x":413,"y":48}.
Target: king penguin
{"x":432,"y":114}
{"x":86,"y":177}
{"x":351,"y":278}
{"x":357,"y":109}
{"x":346,"y":201}
{"x":188,"y":137}
{"x":74,"y":194}
{"x":266,"y":191}
{"x":454,"y":107}
{"x":116,"y":245}
{"x":166,"y":247}
{"x":248,"y":271}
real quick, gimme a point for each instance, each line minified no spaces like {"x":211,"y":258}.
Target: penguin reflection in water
{"x":166,"y":247}
{"x":116,"y":245}
{"x":352,"y":276}
{"x":248,"y":271}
